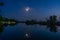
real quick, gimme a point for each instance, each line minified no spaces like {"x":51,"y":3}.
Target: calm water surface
{"x":34,"y":32}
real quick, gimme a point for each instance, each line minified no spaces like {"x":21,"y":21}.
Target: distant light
{"x":27,"y":9}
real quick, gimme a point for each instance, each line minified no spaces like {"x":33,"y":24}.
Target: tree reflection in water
{"x":52,"y":28}
{"x":4,"y":22}
{"x":2,"y":26}
{"x":51,"y":22}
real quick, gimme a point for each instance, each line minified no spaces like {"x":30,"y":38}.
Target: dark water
{"x":35,"y":32}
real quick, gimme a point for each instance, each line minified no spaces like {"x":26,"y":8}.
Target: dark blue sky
{"x":40,"y":9}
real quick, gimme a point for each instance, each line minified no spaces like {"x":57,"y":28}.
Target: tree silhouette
{"x":1,"y":3}
{"x":5,"y":21}
{"x":52,"y":23}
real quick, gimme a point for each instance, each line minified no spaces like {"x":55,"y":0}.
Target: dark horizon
{"x":29,"y":20}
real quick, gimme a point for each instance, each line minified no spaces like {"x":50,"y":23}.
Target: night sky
{"x":38,"y":9}
{"x":27,"y":10}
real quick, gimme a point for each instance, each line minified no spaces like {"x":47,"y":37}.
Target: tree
{"x":1,"y":3}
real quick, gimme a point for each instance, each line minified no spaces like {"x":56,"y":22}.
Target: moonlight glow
{"x":27,"y":9}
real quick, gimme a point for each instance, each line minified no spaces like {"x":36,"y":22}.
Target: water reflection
{"x":1,"y":28}
{"x":27,"y":36}
{"x":52,"y":28}
{"x":4,"y":22}
{"x":51,"y":23}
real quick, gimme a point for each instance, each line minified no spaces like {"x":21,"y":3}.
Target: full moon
{"x":27,"y":9}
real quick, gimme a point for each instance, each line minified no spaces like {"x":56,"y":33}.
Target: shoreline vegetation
{"x":50,"y":23}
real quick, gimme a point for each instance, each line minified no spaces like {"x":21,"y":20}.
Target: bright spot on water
{"x":26,"y":35}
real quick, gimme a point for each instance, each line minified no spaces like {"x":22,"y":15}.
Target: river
{"x":22,"y":31}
